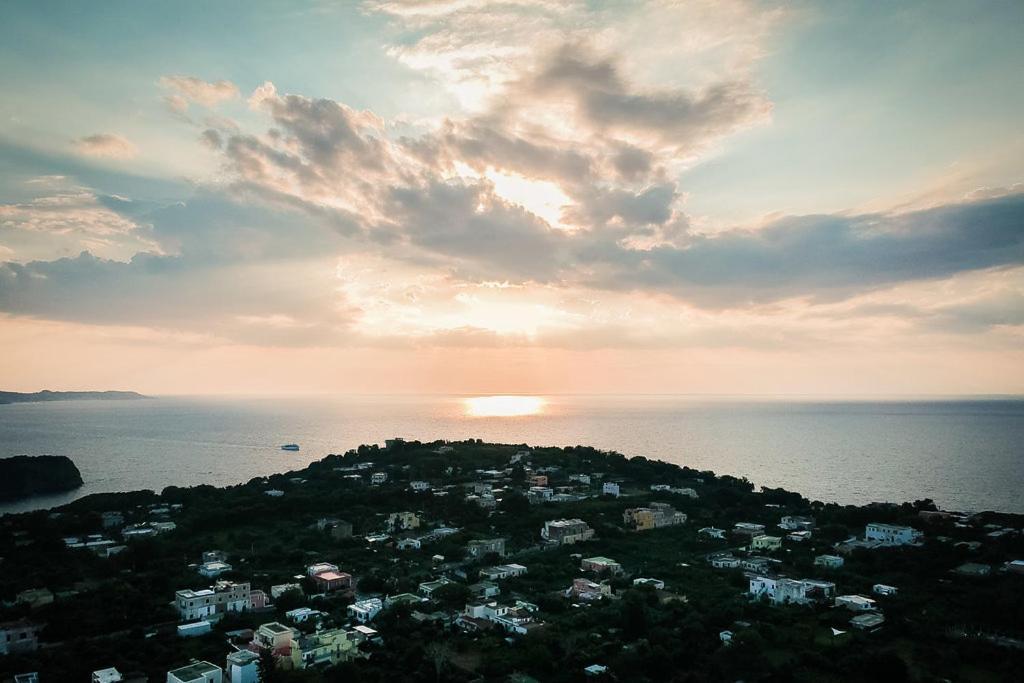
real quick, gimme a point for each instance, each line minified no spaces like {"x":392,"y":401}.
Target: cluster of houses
{"x":113,"y":522}
{"x":765,"y":583}
{"x":289,"y":648}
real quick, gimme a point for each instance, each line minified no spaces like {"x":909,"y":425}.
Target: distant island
{"x":47,"y":395}
{"x":23,"y":476}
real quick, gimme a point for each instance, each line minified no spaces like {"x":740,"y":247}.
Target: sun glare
{"x":503,"y":406}
{"x":542,"y":198}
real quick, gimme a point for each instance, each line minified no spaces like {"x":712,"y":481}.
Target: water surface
{"x":963,"y":454}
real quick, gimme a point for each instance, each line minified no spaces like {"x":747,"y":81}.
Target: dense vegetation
{"x":23,"y":475}
{"x":117,"y":611}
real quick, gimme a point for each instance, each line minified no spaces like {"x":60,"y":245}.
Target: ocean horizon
{"x":961,"y":452}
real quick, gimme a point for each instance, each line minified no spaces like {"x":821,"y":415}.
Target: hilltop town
{"x":469,"y":561}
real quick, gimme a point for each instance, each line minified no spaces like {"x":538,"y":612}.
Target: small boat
{"x":290,"y":447}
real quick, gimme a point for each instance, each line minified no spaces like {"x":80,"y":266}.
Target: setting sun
{"x":504,"y":406}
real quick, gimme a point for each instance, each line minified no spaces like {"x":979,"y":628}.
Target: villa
{"x":766,"y":543}
{"x":748,"y":529}
{"x":364,"y":611}
{"x":600,"y":565}
{"x":479,"y":548}
{"x":587,"y":590}
{"x":502,"y":571}
{"x":829,"y":561}
{"x":856,"y":603}
{"x":221,"y":598}
{"x":655,"y":516}
{"x":566,"y":531}
{"x":892,"y":534}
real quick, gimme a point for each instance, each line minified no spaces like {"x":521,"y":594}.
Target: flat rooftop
{"x":194,"y":671}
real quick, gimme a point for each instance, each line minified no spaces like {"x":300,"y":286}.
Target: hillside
{"x":23,"y":476}
{"x":47,"y":395}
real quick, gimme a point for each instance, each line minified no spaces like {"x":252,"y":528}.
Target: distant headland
{"x":47,"y":395}
{"x":23,"y":476}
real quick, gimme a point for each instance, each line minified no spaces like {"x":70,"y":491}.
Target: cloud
{"x":672,"y":118}
{"x":267,"y":304}
{"x":188,"y":89}
{"x":410,"y":196}
{"x":68,"y":222}
{"x":560,"y":178}
{"x":107,"y":145}
{"x":824,"y":257}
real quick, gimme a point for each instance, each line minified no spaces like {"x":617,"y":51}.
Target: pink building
{"x":332,"y":581}
{"x":258,"y":599}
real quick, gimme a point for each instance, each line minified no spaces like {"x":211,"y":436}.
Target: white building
{"x":519,"y":456}
{"x":712,"y":532}
{"x":725,"y":562}
{"x":781,"y":591}
{"x":419,"y":486}
{"x":797,"y":523}
{"x":829,"y":561}
{"x":193,"y":629}
{"x":480,"y":547}
{"x":243,"y":667}
{"x":891,"y":534}
{"x":364,"y":611}
{"x":282,"y":588}
{"x":513,"y":619}
{"x":610,"y":488}
{"x":107,"y":676}
{"x":657,"y":584}
{"x":539,"y":494}
{"x":196,"y":672}
{"x":883,"y":589}
{"x":378,"y":478}
{"x":665,"y":488}
{"x":502,"y":571}
{"x":765,"y":543}
{"x":748,"y":528}
{"x":566,"y":531}
{"x":224,"y":596}
{"x":214,"y":569}
{"x":855,"y":603}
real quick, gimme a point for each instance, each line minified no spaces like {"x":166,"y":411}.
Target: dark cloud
{"x":482,"y":236}
{"x":824,"y":257}
{"x":108,"y":145}
{"x":649,"y":206}
{"x":677,"y":118}
{"x":238,"y":302}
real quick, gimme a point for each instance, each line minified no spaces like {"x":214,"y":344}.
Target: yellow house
{"x":640,"y":519}
{"x":766,"y":543}
{"x":402,"y":521}
{"x":329,"y":647}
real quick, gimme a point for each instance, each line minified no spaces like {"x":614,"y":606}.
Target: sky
{"x":527,"y":196}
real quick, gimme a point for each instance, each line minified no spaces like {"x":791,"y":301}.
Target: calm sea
{"x":965,"y":455}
